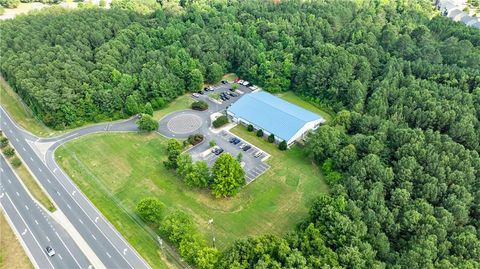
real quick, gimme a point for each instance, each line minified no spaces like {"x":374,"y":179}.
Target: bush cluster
{"x":220,"y":121}
{"x":200,"y":105}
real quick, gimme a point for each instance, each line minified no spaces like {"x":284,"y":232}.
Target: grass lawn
{"x":116,"y":170}
{"x":230,"y":77}
{"x":22,"y":115}
{"x":182,"y":102}
{"x":295,"y":99}
{"x":12,"y":254}
{"x":34,"y":188}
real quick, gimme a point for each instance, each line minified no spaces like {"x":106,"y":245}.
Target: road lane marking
{"x":17,"y":139}
{"x":80,"y":221}
{"x":1,"y":195}
{"x":55,"y":170}
{"x":9,"y":181}
{"x":27,"y":207}
{"x":49,"y":180}
{"x":24,"y":232}
{"x":94,"y":237}
{"x":60,"y":256}
{"x":36,"y":222}
{"x":1,"y":169}
{"x":65,"y":245}
{"x":40,"y":169}
{"x":108,"y":254}
{"x":31,"y":159}
{"x":24,"y":149}
{"x":125,"y":251}
{"x":48,"y":239}
{"x":73,"y":192}
{"x":69,"y":207}
{"x":17,"y":193}
{"x":96,"y":219}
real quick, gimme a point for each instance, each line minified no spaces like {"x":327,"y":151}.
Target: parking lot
{"x":252,"y":157}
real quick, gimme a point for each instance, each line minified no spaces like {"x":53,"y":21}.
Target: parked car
{"x":257,"y":154}
{"x":232,"y":94}
{"x":223,"y":98}
{"x":237,"y":141}
{"x":206,"y":89}
{"x":245,"y":83}
{"x":200,"y":92}
{"x":240,"y":81}
{"x":195,"y":94}
{"x":242,"y":145}
{"x":247,"y":147}
{"x":50,"y":251}
{"x":218,"y":151}
{"x":224,"y":82}
{"x":226,"y":97}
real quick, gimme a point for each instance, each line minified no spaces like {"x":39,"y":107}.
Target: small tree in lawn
{"x":260,"y":133}
{"x":271,"y":138}
{"x":282,"y":145}
{"x":131,"y":105}
{"x":250,"y":128}
{"x":174,"y":148}
{"x":148,"y":109}
{"x":199,"y":175}
{"x":227,"y":176}
{"x":16,"y":162}
{"x":184,"y":164}
{"x":150,"y":209}
{"x":147,"y":123}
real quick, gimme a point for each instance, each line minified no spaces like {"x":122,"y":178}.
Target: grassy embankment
{"x":12,"y":254}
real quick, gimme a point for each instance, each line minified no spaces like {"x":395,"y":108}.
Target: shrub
{"x":9,"y":152}
{"x":200,"y":105}
{"x":282,"y":145}
{"x":147,"y":123}
{"x":16,"y":162}
{"x":150,"y":210}
{"x":3,"y":142}
{"x":260,"y":133}
{"x":195,"y":139}
{"x":250,"y":128}
{"x":220,"y":121}
{"x":271,"y":138}
{"x":212,"y":143}
{"x":148,"y":109}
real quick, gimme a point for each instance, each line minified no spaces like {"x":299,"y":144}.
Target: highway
{"x":108,"y":245}
{"x":35,"y":227}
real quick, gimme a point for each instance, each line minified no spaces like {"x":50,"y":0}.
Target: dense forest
{"x":401,"y":156}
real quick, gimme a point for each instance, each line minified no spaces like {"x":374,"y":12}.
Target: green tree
{"x":150,"y":209}
{"x":214,"y":73}
{"x":220,"y":121}
{"x":184,"y":165}
{"x":207,"y":258}
{"x":250,"y":128}
{"x":283,"y":145}
{"x":148,"y":109}
{"x":195,"y":80}
{"x":16,"y":162}
{"x":3,"y":142}
{"x":260,"y":133}
{"x":9,"y":152}
{"x":271,"y":138}
{"x":227,"y":176}
{"x":147,"y":123}
{"x":174,"y":149}
{"x":199,"y":175}
{"x":131,"y":105}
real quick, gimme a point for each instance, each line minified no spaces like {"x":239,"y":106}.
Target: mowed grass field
{"x":12,"y":254}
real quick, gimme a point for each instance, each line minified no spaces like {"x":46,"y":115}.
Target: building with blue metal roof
{"x":274,"y":115}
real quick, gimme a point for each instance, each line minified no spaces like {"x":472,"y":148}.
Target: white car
{"x":257,"y":154}
{"x":50,"y":251}
{"x":245,"y":83}
{"x":240,"y":81}
{"x":196,"y":94}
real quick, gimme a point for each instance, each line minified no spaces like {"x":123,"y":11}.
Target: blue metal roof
{"x":272,"y":114}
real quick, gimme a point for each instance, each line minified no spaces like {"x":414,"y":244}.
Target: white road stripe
{"x":48,"y":239}
{"x":24,"y":232}
{"x":24,"y":149}
{"x":80,"y":221}
{"x":69,"y":207}
{"x":94,"y":237}
{"x":49,"y":180}
{"x":18,"y":194}
{"x":9,"y":181}
{"x":40,"y":169}
{"x":27,"y":207}
{"x":1,"y":169}
{"x":36,"y":222}
{"x":108,"y":254}
{"x":60,"y":256}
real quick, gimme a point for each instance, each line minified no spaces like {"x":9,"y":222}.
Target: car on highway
{"x":50,"y":251}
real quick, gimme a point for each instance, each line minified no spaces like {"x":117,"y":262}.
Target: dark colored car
{"x":223,"y":98}
{"x":224,"y":82}
{"x":200,"y":92}
{"x":231,"y":89}
{"x":247,"y":147}
{"x":227,"y":97}
{"x":232,"y":94}
{"x":206,"y":89}
{"x":237,"y":141}
{"x":218,"y":151}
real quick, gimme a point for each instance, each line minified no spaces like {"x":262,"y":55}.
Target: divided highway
{"x":109,"y":246}
{"x":35,"y":227}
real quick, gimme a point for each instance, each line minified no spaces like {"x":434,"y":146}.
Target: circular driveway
{"x":184,"y":123}
{"x":181,"y":124}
